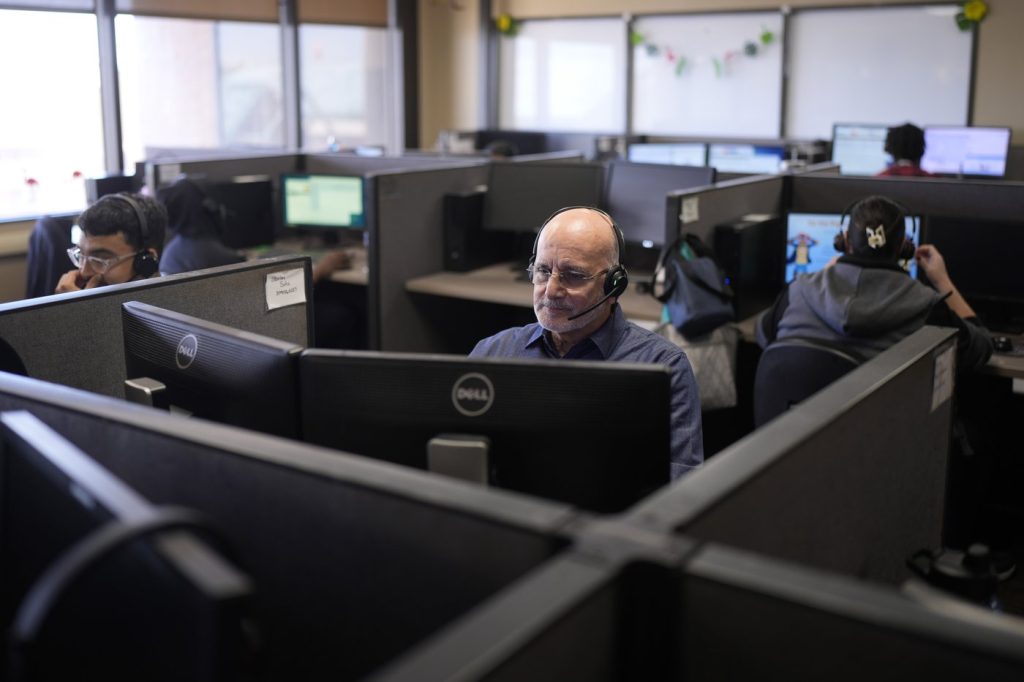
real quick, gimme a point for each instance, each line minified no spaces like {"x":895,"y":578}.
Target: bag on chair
{"x":692,"y":287}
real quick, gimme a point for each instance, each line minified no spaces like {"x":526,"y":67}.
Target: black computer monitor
{"x":248,"y":214}
{"x":520,"y":196}
{"x":163,"y":606}
{"x":323,"y":201}
{"x":810,"y":237}
{"x":675,"y":153}
{"x":595,"y":435}
{"x":636,"y":197}
{"x":859,"y":148}
{"x":982,"y":257}
{"x":209,"y":370}
{"x":966,"y":150}
{"x":746,"y":158}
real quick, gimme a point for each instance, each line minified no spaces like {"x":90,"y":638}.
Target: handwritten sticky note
{"x":284,"y":288}
{"x":690,"y":210}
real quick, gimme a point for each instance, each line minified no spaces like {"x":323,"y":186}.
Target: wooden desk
{"x":498,"y":284}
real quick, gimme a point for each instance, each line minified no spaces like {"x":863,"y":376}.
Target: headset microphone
{"x":603,"y":299}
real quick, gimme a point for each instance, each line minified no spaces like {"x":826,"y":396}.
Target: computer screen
{"x":323,"y":201}
{"x":636,"y":197}
{"x":745,"y":158}
{"x":955,"y":150}
{"x":521,"y":196}
{"x":151,"y":608}
{"x":248,"y":216}
{"x":859,"y":149}
{"x":676,"y":153}
{"x":810,"y":237}
{"x":592,"y":434}
{"x":212,"y":371}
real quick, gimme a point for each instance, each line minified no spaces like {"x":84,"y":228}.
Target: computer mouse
{"x":1002,"y":344}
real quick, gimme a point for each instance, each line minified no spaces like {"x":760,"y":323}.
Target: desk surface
{"x":357,"y":273}
{"x":498,"y":284}
{"x":1008,"y":364}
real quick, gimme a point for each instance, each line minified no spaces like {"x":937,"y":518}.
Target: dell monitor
{"x":323,"y":201}
{"x":246,"y":205}
{"x":521,"y":195}
{"x":77,"y":603}
{"x":592,"y":434}
{"x":636,"y":197}
{"x":195,"y":367}
{"x":962,"y":150}
{"x":810,"y":237}
{"x":859,"y":149}
{"x":746,"y":158}
{"x":675,"y":153}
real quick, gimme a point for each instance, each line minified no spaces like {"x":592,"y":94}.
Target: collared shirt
{"x":619,"y":340}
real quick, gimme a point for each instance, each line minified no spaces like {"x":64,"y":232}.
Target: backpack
{"x":692,"y":286}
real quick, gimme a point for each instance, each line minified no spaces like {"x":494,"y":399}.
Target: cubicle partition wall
{"x":75,"y":339}
{"x":699,"y":210}
{"x":852,"y":479}
{"x":566,"y":156}
{"x":352,"y":561}
{"x":346,"y":164}
{"x":225,"y":167}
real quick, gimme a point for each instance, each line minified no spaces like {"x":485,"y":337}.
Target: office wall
{"x":450,"y":85}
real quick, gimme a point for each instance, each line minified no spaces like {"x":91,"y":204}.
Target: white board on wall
{"x":738,"y":98}
{"x":876,"y":65}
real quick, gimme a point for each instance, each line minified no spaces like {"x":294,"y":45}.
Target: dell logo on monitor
{"x":187,"y":349}
{"x":473,"y":394}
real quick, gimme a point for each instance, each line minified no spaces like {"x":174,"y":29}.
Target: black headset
{"x":907,"y":248}
{"x":616,"y":280}
{"x":144,"y":264}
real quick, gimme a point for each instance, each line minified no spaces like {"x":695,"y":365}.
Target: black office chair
{"x":47,"y":256}
{"x":793,"y":369}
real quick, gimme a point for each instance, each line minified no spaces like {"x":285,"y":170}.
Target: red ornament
{"x":77,"y":175}
{"x":31,"y":182}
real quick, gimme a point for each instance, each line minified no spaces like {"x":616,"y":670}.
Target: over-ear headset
{"x":907,"y":248}
{"x":144,"y":264}
{"x":616,"y":280}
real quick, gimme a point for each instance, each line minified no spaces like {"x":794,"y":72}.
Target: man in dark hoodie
{"x":867,"y":302}
{"x":194,"y":221}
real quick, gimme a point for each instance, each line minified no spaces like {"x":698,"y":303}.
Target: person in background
{"x":195,"y":222}
{"x":122,"y":237}
{"x":905,"y":144}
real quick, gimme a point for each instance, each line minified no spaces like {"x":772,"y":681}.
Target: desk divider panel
{"x":566,"y":156}
{"x":343,"y":164}
{"x":227,"y":167}
{"x":724,"y":202}
{"x":75,"y":339}
{"x":852,"y":480}
{"x":406,"y":241}
{"x":353,"y":561}
{"x":980,"y":199}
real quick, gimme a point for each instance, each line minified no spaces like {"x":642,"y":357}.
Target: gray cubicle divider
{"x":347,"y":164}
{"x":566,"y":156}
{"x":699,"y":210}
{"x":75,"y":339}
{"x":227,"y":166}
{"x":978,"y":199}
{"x":406,"y":241}
{"x":852,"y":480}
{"x":353,"y":561}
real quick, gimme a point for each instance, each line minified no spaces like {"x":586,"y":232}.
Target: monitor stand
{"x":146,"y":391}
{"x":460,"y":456}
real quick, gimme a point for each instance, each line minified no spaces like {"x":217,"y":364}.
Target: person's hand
{"x":934,"y":265}
{"x":329,"y":262}
{"x":72,"y":281}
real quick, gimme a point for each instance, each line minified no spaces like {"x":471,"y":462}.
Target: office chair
{"x":47,"y":255}
{"x":793,"y":369}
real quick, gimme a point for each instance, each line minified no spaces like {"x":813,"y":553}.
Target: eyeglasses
{"x":570,"y":279}
{"x":100,"y":265}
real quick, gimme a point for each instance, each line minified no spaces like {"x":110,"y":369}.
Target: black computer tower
{"x":467,"y":246}
{"x":750,"y":250}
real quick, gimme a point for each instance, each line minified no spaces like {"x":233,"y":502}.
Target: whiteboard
{"x":741,"y":99}
{"x":564,"y":75}
{"x":878,"y":65}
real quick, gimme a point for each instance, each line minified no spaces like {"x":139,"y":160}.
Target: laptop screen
{"x":809,"y":239}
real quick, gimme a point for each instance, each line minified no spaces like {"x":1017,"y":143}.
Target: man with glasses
{"x":122,"y":236}
{"x":577,"y":278}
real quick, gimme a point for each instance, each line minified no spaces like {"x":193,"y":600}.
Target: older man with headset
{"x":577,"y":277}
{"x":122,"y":236}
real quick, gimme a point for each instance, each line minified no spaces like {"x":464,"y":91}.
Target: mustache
{"x":553,"y":305}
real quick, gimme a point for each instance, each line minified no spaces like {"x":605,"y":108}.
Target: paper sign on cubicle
{"x":942,"y":384}
{"x":690,"y":211}
{"x":284,"y":288}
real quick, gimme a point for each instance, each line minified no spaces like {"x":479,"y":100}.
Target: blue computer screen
{"x":675,"y":153}
{"x":745,"y":158}
{"x":809,"y":238}
{"x":966,"y":150}
{"x":860,"y":149}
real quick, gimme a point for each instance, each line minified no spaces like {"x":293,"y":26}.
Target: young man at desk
{"x":577,"y":278}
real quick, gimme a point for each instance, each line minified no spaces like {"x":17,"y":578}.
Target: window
{"x":51,"y":118}
{"x":344,"y":83}
{"x":195,"y":84}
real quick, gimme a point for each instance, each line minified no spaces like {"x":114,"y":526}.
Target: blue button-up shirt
{"x":622,"y":341}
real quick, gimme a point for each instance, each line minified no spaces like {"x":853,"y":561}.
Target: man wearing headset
{"x":577,"y":278}
{"x":122,"y":236}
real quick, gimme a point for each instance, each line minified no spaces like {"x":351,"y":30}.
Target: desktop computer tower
{"x":750,"y":251}
{"x":109,"y":184}
{"x":467,"y":246}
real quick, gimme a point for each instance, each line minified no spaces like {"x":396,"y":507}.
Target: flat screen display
{"x":809,"y":242}
{"x":521,"y":196}
{"x":955,"y":150}
{"x":674,"y":153}
{"x":328,"y":201}
{"x":859,"y":149}
{"x":745,"y":158}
